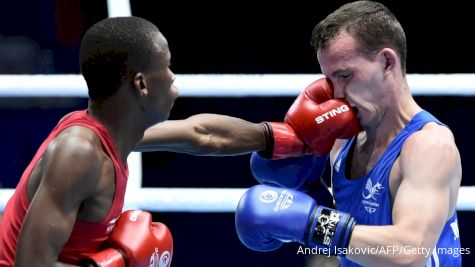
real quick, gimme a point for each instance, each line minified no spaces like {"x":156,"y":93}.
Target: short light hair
{"x":372,"y":24}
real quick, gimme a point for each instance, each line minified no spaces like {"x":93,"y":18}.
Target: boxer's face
{"x":356,"y":77}
{"x":159,"y":81}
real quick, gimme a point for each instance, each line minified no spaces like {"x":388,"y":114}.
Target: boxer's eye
{"x":344,"y":76}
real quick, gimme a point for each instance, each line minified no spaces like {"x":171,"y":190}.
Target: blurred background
{"x":228,"y":37}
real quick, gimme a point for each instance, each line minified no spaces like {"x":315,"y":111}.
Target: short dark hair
{"x":115,"y":49}
{"x":372,"y":24}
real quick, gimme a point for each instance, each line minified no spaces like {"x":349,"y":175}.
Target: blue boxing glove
{"x":299,"y":173}
{"x":268,"y":216}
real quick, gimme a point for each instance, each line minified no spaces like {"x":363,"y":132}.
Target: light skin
{"x":76,"y":172}
{"x":425,"y":178}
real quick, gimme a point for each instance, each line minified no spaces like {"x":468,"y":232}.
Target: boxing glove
{"x":312,"y":124}
{"x":298,"y":173}
{"x":281,"y":141}
{"x":319,"y":120}
{"x":135,"y":241}
{"x":268,"y":216}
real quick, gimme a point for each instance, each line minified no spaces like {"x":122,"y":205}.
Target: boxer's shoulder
{"x":76,"y":163}
{"x":432,"y":137}
{"x":436,"y":130}
{"x":75,"y":155}
{"x":432,"y":148}
{"x":79,"y":141}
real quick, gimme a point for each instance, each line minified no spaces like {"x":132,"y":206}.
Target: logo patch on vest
{"x":370,"y":196}
{"x":157,"y":260}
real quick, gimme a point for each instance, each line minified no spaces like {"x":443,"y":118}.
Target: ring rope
{"x":227,"y":85}
{"x":210,"y":199}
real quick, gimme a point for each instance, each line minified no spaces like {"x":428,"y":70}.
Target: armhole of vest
{"x":348,"y":142}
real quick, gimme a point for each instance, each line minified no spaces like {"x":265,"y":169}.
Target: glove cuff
{"x":330,"y":230}
{"x":105,"y":258}
{"x":281,"y":141}
{"x":269,"y":135}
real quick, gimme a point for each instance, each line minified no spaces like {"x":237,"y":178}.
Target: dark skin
{"x":75,"y":171}
{"x":204,"y":134}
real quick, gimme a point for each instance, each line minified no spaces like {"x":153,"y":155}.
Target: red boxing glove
{"x":282,"y":141}
{"x":319,"y":119}
{"x":136,"y":241}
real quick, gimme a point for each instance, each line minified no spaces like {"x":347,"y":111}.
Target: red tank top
{"x":86,"y":238}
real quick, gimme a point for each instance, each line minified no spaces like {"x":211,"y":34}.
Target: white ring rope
{"x":210,"y":199}
{"x":118,"y":8}
{"x":226,"y":85}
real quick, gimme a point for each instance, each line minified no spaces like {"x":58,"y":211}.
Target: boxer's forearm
{"x":204,"y":134}
{"x":321,"y":260}
{"x":386,"y":246}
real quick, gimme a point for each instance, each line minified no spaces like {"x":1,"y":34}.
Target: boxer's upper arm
{"x":204,"y":134}
{"x":70,"y":172}
{"x":429,"y":163}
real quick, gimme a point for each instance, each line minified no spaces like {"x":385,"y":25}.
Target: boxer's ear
{"x":140,"y":84}
{"x":389,"y":59}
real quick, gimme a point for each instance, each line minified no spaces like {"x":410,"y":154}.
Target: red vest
{"x":86,"y":238}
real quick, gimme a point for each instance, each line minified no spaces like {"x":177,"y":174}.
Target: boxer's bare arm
{"x":425,"y":200}
{"x":321,"y":260}
{"x":204,"y":134}
{"x":70,"y":169}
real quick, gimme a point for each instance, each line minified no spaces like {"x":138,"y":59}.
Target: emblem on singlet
{"x":157,"y":260}
{"x":370,"y":196}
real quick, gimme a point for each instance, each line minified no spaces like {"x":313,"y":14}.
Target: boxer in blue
{"x":395,"y":184}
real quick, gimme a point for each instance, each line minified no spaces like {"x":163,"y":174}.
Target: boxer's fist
{"x":312,"y":124}
{"x":296,"y":173}
{"x":319,"y":120}
{"x":136,"y":241}
{"x":267,"y":217}
{"x":281,"y":141}
{"x":299,"y":173}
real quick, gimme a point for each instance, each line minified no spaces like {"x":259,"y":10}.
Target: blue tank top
{"x":368,"y":198}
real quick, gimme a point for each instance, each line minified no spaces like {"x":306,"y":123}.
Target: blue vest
{"x":368,"y":198}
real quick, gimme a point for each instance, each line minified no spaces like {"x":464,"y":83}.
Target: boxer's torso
{"x":96,"y":214}
{"x":371,"y":182}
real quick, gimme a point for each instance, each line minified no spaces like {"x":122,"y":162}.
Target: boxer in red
{"x":71,"y":195}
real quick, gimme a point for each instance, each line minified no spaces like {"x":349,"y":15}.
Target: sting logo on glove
{"x":332,"y":113}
